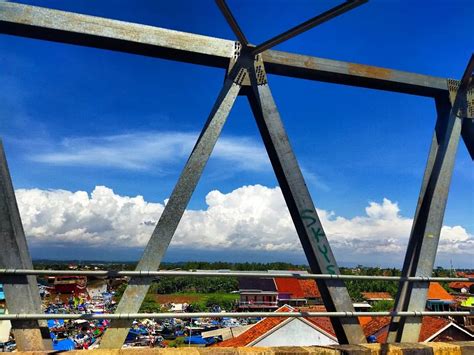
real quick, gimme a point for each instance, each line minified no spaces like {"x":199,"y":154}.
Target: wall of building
{"x":295,"y":333}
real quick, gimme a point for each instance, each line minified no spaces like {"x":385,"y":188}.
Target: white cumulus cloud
{"x":249,"y":218}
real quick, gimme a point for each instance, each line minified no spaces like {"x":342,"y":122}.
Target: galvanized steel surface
{"x":137,"y":288}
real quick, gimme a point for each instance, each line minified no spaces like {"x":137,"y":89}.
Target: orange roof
{"x":429,"y":327}
{"x":289,"y":285}
{"x":310,"y":289}
{"x":377,"y":295}
{"x":267,"y":324}
{"x":432,"y":325}
{"x":375,"y":325}
{"x":437,"y":292}
{"x":460,"y":284}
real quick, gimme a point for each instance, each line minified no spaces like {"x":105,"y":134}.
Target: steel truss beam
{"x":428,"y":220}
{"x":232,"y":22}
{"x":307,"y":25}
{"x":66,"y":27}
{"x":91,"y":31}
{"x":300,"y":205}
{"x":21,"y":291}
{"x":137,"y":288}
{"x":59,"y":26}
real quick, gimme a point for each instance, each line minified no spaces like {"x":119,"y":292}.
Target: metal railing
{"x":20,"y":316}
{"x":217,"y":273}
{"x":229,"y":273}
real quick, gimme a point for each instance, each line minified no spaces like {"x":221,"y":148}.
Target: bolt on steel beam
{"x":300,"y":205}
{"x":428,"y":221}
{"x":137,"y":288}
{"x":21,"y":291}
{"x":307,"y":25}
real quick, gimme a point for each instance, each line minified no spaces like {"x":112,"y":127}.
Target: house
{"x":462,"y":286}
{"x":290,"y":292}
{"x":284,"y":331}
{"x":311,"y":292}
{"x":438,"y":299}
{"x":70,"y":284}
{"x":257,"y":294}
{"x":433,"y":329}
{"x":372,"y":297}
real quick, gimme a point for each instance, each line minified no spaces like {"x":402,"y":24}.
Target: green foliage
{"x":197,"y":307}
{"x":149,"y":305}
{"x":226,"y":303}
{"x":381,"y":306}
{"x":355,"y":287}
{"x":167,"y":285}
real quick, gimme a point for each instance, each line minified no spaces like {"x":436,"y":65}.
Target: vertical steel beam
{"x":21,"y":292}
{"x":300,"y":205}
{"x":137,"y":288}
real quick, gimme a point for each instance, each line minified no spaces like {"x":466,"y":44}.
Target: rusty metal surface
{"x":428,"y":221}
{"x":21,"y":291}
{"x":66,"y":27}
{"x":300,"y":204}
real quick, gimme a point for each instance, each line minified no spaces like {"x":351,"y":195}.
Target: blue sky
{"x":76,"y":118}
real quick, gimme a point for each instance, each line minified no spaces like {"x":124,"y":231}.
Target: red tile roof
{"x":460,"y":284}
{"x":289,"y":285}
{"x":432,"y":325}
{"x":267,"y":324}
{"x":377,"y":295}
{"x":429,"y":327}
{"x":375,"y":325}
{"x":436,"y":291}
{"x":310,"y":289}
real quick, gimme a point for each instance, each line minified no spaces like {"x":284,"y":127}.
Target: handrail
{"x":219,"y":273}
{"x":21,"y":316}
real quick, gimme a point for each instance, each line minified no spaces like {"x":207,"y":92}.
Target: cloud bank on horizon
{"x":251,"y":217}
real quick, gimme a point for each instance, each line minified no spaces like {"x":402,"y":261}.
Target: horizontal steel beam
{"x":229,"y":314}
{"x":226,"y":273}
{"x":66,"y":27}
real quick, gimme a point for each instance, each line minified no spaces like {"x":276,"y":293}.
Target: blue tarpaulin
{"x":66,"y":344}
{"x":198,"y":340}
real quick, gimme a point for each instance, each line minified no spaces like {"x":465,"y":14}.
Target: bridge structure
{"x":246,"y":68}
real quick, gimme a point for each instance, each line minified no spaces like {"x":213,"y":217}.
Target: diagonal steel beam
{"x":21,"y":291}
{"x":300,"y":205}
{"x":66,"y":27}
{"x":156,"y":248}
{"x":307,"y":25}
{"x":428,"y":221}
{"x":232,"y":22}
